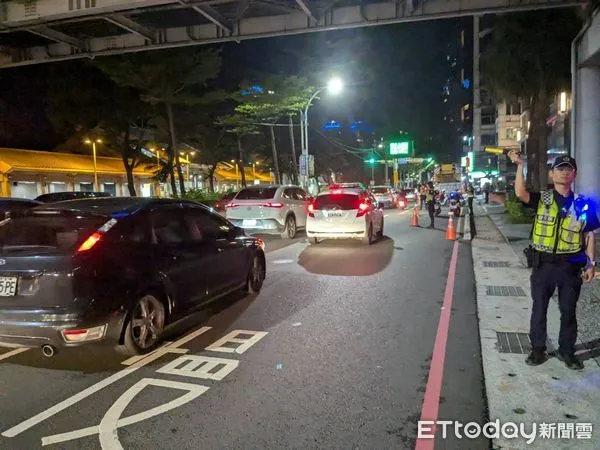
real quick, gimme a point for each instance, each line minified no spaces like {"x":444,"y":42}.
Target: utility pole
{"x":476,"y":89}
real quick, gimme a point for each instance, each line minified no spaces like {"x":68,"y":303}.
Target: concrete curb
{"x":517,"y":393}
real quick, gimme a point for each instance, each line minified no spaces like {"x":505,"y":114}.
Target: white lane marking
{"x":134,"y":359}
{"x":12,"y":353}
{"x":107,"y":430}
{"x":198,"y":366}
{"x":231,"y":337}
{"x":23,"y":426}
{"x":282,"y":261}
{"x":297,"y":324}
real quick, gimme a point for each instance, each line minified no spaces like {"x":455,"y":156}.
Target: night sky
{"x":394,"y":73}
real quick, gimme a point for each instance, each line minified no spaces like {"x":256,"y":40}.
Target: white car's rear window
{"x":256,"y":194}
{"x":341,"y":201}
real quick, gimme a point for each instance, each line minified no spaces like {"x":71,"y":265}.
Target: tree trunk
{"x":128,"y":167}
{"x":537,"y":153}
{"x":275,"y":158}
{"x":241,"y":160}
{"x":294,"y":160}
{"x":170,"y":173}
{"x":130,"y":180}
{"x":211,"y":180}
{"x":173,"y":142}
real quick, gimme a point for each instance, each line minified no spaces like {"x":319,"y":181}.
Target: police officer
{"x":470,"y":196}
{"x":564,"y":251}
{"x":430,"y":200}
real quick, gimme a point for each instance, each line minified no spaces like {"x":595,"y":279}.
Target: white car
{"x":344,"y":214}
{"x":385,"y":195}
{"x":270,"y":209}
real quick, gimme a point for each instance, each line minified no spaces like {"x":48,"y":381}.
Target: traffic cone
{"x":415,"y":218}
{"x":450,"y":231}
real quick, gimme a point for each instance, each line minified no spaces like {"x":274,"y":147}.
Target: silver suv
{"x":273,"y":209}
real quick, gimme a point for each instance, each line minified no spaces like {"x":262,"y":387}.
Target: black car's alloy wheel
{"x":145,"y":326}
{"x":256,"y":277}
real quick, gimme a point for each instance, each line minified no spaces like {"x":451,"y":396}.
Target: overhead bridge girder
{"x":305,"y":19}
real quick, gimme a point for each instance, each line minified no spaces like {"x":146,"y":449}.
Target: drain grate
{"x":517,"y":343}
{"x":496,"y":264}
{"x":505,"y":291}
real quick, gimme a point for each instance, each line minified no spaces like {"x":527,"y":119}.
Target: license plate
{"x":249,"y":223}
{"x":8,"y":286}
{"x":334,"y":213}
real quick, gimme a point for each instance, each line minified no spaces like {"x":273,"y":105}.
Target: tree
{"x":265,"y":105}
{"x":168,"y":79}
{"x":101,"y":109}
{"x":528,"y":58}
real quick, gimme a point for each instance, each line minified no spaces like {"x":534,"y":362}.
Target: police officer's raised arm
{"x":520,"y":190}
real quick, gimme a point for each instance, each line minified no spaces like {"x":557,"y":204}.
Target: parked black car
{"x":9,"y":207}
{"x":117,"y":270}
{"x":64,"y":196}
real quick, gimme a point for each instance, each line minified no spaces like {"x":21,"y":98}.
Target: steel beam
{"x":242,"y":8}
{"x":133,"y":27}
{"x":211,"y":14}
{"x":308,"y":10}
{"x":56,"y":36}
{"x":294,"y":23}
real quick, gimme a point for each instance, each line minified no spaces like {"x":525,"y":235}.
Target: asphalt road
{"x":337,"y":353}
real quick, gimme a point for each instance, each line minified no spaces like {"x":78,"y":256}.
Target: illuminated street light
{"x":93,"y":143}
{"x":335,"y":85}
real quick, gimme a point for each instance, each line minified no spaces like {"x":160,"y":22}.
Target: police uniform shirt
{"x":564,"y":203}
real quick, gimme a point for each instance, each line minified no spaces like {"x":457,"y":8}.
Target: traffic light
{"x":371,"y":160}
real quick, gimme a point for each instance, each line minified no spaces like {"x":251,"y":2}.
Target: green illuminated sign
{"x":400,"y":148}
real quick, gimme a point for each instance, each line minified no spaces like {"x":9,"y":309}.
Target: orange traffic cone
{"x":450,"y":231}
{"x":415,"y":218}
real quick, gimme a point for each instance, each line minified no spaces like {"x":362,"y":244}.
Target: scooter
{"x":454,"y":204}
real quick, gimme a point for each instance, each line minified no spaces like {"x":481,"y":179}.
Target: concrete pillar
{"x":4,"y":185}
{"x":587,"y":132}
{"x":476,"y":88}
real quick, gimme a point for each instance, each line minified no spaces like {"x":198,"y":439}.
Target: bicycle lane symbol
{"x":194,"y":366}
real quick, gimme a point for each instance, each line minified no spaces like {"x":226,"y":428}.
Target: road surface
{"x":335,"y":352}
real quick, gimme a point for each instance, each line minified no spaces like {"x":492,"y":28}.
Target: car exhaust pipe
{"x":48,"y":351}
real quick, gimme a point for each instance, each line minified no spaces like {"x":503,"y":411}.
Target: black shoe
{"x":536,"y":357}
{"x":570,"y":361}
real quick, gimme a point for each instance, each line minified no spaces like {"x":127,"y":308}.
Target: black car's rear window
{"x":341,"y":201}
{"x":56,"y":230}
{"x":256,"y":194}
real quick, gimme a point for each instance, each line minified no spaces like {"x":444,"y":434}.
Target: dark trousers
{"x":431,"y":211}
{"x":470,"y":203}
{"x":545,"y":278}
{"x":423,"y":203}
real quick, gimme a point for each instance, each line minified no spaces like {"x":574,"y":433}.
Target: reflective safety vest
{"x":429,"y":196}
{"x":556,"y":233}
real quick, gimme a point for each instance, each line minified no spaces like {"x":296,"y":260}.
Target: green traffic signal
{"x":371,"y":161}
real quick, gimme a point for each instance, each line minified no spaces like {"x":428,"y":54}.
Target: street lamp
{"x":237,"y":181}
{"x":334,"y":86}
{"x":187,"y":155}
{"x":93,"y":143}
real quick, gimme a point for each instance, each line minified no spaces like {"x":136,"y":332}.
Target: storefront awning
{"x":17,"y":160}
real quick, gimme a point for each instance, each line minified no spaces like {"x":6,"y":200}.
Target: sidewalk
{"x":551,"y":393}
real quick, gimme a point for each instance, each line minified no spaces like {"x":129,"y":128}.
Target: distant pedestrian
{"x":486,"y":192}
{"x":430,"y":200}
{"x":470,"y":195}
{"x":423,"y":195}
{"x":563,"y":246}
